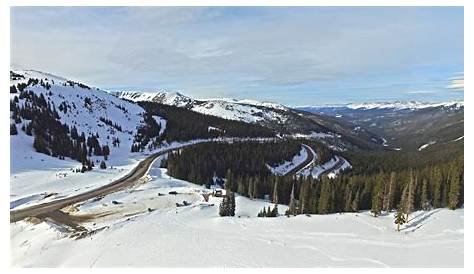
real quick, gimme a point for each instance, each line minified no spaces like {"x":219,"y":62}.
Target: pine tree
{"x":377,"y":198}
{"x":250,"y":188}
{"x":325,"y":198}
{"x":40,"y":145}
{"x":255,"y":188}
{"x":275,"y":190}
{"x":106,"y":152}
{"x":425,"y":203}
{"x":355,"y":203}
{"x":229,"y":180}
{"x":13,"y":130}
{"x":227,"y":206}
{"x":388,"y":197}
{"x":436,"y":179}
{"x":292,"y":206}
{"x":231,"y":204}
{"x":103,"y":165}
{"x":274,"y":212}
{"x":454,"y":189}
{"x":240,"y":186}
{"x":410,"y":202}
{"x":399,"y":218}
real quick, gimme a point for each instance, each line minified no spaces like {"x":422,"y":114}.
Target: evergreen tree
{"x":103,"y":165}
{"x":324,"y":206}
{"x":454,"y":189}
{"x":424,"y":200}
{"x":255,"y":188}
{"x":227,"y":206}
{"x":292,"y":206}
{"x":377,"y":196}
{"x":388,"y":197}
{"x":399,"y":218}
{"x":355,"y":203}
{"x":40,"y":145}
{"x":251,"y":182}
{"x":274,"y":212}
{"x":275,"y":190}
{"x":13,"y":130}
{"x":410,"y":202}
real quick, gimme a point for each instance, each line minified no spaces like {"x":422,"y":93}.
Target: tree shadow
{"x":418,"y":221}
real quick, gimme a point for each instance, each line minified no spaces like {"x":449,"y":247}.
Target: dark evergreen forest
{"x":380,"y":181}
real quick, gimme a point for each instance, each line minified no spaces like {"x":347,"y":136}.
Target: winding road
{"x":126,"y":181}
{"x":130,"y":179}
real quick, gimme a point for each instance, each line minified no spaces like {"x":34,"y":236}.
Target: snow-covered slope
{"x":250,"y":111}
{"x":162,"y":97}
{"x":86,"y":108}
{"x":396,"y":105}
{"x":143,"y":227}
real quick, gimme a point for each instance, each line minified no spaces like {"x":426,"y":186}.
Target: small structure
{"x":219,"y":193}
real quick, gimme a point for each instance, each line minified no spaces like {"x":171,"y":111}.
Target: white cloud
{"x":420,"y":92}
{"x":456,"y":83}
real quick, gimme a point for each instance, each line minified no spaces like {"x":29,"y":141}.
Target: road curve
{"x":310,"y":160}
{"x":126,"y":181}
{"x":131,"y":178}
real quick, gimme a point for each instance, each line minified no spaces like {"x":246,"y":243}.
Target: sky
{"x":291,"y":55}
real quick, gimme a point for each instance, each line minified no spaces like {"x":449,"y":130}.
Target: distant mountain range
{"x":387,"y":125}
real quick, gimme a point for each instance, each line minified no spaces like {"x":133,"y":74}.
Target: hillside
{"x":146,"y":229}
{"x":410,"y":126}
{"x":288,"y":122}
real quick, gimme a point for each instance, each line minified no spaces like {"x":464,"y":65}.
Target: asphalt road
{"x":128,"y":180}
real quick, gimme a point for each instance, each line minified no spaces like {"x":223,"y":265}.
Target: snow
{"x":284,"y":168}
{"x":337,"y":163}
{"x":55,"y":178}
{"x":344,"y":166}
{"x":195,"y":236}
{"x":238,"y":112}
{"x":316,"y":135}
{"x":398,"y":105}
{"x":249,"y":102}
{"x":34,"y":176}
{"x":246,"y":110}
{"x":162,"y":122}
{"x":210,"y":128}
{"x":426,"y":145}
{"x":458,"y":139}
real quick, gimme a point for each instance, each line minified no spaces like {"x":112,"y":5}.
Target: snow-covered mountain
{"x":407,"y":125}
{"x":250,"y":111}
{"x":162,"y":97}
{"x":90,"y":110}
{"x":413,"y":105}
{"x":396,"y":105}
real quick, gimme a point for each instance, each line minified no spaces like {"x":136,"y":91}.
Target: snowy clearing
{"x":144,"y":228}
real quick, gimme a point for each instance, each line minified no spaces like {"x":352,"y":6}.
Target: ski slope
{"x":140,"y":227}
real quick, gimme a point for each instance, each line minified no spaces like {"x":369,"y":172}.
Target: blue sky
{"x":291,"y":55}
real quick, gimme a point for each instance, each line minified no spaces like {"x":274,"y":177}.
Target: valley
{"x":161,"y":175}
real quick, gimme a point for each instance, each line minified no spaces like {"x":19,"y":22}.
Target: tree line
{"x":394,"y":186}
{"x":183,"y":124}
